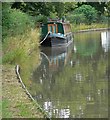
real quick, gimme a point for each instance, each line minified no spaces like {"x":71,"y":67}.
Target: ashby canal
{"x":72,"y":81}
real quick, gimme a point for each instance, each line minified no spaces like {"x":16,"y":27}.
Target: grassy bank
{"x":76,"y":27}
{"x":20,"y":45}
{"x":15,"y":102}
{"x":22,"y":50}
{"x":17,"y":49}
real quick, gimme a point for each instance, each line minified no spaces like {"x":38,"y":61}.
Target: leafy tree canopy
{"x":86,"y":11}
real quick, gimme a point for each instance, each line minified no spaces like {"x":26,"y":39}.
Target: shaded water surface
{"x":72,"y":81}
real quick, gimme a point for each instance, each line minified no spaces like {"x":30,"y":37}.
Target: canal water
{"x":72,"y":81}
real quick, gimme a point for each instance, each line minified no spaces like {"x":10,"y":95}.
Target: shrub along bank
{"x":19,"y":35}
{"x":20,"y":39}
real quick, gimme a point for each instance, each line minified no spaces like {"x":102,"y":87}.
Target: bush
{"x":103,"y":19}
{"x":76,"y":18}
{"x":14,"y":21}
{"x":89,"y":12}
{"x":84,"y":14}
{"x":40,"y":18}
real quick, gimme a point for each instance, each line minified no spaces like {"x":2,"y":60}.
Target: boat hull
{"x":58,"y":40}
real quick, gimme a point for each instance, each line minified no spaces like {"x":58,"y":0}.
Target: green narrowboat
{"x":56,"y":33}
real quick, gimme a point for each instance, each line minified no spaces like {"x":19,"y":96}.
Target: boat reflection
{"x":53,"y":60}
{"x":56,"y":57}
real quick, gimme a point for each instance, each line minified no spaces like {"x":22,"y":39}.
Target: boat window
{"x":54,"y":29}
{"x":50,"y":28}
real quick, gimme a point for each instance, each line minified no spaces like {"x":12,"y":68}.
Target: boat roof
{"x":52,"y":21}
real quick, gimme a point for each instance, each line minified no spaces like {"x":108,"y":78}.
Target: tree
{"x":108,"y":8}
{"x":34,"y":8}
{"x":70,"y":6}
{"x":14,"y":21}
{"x":88,"y":11}
{"x":99,"y":6}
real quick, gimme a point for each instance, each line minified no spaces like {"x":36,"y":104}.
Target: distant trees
{"x":108,"y":9}
{"x":99,"y":6}
{"x":76,"y":11}
{"x":16,"y":16}
{"x":40,"y":8}
{"x":45,"y":8}
{"x":83,"y":14}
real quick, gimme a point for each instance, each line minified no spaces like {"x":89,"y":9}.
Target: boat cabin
{"x":55,"y":27}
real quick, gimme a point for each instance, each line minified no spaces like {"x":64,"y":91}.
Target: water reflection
{"x":56,"y":56}
{"x":53,"y":61}
{"x":59,"y":113}
{"x":72,"y":82}
{"x":105,"y":40}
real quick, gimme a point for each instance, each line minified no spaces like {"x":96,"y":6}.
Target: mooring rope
{"x":17,"y":70}
{"x":45,"y":37}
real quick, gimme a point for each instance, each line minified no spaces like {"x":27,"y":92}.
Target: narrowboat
{"x":56,"y":33}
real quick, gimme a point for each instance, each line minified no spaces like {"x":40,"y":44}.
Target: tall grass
{"x":20,"y":40}
{"x":19,"y":47}
{"x":23,"y":50}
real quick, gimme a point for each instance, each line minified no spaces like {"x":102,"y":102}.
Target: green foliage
{"x":14,"y":21}
{"x":76,"y":18}
{"x":59,"y":9}
{"x":108,"y":9}
{"x":103,"y":19}
{"x":81,"y":12}
{"x":40,"y":18}
{"x":70,"y":6}
{"x":88,"y":11}
{"x":53,"y":15}
{"x":41,"y":8}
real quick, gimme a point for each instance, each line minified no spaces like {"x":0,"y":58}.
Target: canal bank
{"x":16,"y":103}
{"x":90,"y":30}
